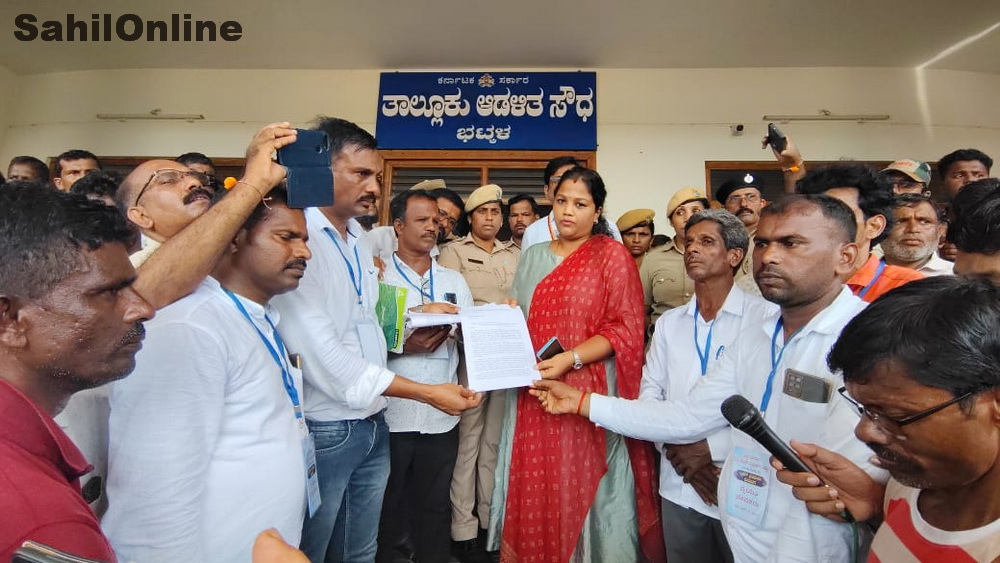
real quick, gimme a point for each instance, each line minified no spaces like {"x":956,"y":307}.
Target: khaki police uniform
{"x":665,"y":283}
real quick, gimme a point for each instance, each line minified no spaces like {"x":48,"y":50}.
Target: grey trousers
{"x":692,"y":537}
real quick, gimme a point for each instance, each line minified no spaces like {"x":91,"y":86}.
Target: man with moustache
{"x":928,"y":402}
{"x":450,"y":214}
{"x":206,"y":441}
{"x":488,"y":267}
{"x":332,"y":324}
{"x":523,"y":211}
{"x":423,"y":440}
{"x":915,"y":236}
{"x":744,"y":199}
{"x":805,"y":248}
{"x":687,"y":344}
{"x":70,"y":319}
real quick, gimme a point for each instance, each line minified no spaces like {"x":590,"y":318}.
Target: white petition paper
{"x":498,"y":352}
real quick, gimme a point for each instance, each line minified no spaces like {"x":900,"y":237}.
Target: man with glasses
{"x":928,"y":402}
{"x":742,"y":197}
{"x":169,"y":197}
{"x":546,"y":231}
{"x":908,"y":177}
{"x":805,"y":249}
{"x":423,"y":440}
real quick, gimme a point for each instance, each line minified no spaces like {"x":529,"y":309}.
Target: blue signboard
{"x":487,"y":110}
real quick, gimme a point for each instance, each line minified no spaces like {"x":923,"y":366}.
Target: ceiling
{"x":437,"y":34}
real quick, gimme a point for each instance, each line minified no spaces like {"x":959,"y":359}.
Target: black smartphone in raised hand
{"x":309,"y":178}
{"x":776,"y":138}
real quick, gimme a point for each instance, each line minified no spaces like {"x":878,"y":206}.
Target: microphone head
{"x":739,"y":411}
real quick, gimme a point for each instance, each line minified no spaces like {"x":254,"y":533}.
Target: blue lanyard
{"x":409,"y":281}
{"x":878,"y":274}
{"x":356,"y":279}
{"x":775,"y":360}
{"x":286,"y":376}
{"x":703,"y":356}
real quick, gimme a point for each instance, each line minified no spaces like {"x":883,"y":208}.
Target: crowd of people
{"x":193,"y":370}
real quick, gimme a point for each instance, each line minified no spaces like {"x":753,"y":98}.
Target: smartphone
{"x":451,"y":298}
{"x":309,"y":178}
{"x":551,"y":348}
{"x":776,"y":138}
{"x":809,"y":388}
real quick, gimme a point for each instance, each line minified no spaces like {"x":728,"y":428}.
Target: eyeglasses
{"x":894,"y":425}
{"x":749,"y":198}
{"x":907,"y":184}
{"x":554,"y":179}
{"x":167,"y":176}
{"x":443,"y":216}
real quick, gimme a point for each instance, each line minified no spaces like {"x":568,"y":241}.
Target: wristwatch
{"x":577,"y":362}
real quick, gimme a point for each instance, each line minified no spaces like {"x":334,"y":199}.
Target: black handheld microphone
{"x":744,"y":416}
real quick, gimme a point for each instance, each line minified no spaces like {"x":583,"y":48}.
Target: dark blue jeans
{"x":352,"y":462}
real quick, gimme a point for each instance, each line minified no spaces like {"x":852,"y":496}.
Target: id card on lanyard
{"x":280,"y":357}
{"x":750,"y":474}
{"x":369,"y":332}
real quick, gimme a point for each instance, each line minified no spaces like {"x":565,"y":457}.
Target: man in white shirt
{"x":207,"y":441}
{"x":331,"y":323}
{"x":383,"y":239}
{"x":804,"y":250}
{"x":423,"y":440}
{"x":687,"y":343}
{"x":544,"y":230}
{"x":915,"y":236}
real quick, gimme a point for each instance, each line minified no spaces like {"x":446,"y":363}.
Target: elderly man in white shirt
{"x":423,"y":440}
{"x":688,"y":342}
{"x":330,"y":321}
{"x":208,"y":445}
{"x":915,"y":236}
{"x":803,"y":251}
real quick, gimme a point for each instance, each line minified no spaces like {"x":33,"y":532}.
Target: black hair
{"x":595,"y":185}
{"x":962,"y":155}
{"x":558,"y":162}
{"x":659,"y":240}
{"x":344,"y":134}
{"x":913,"y":200}
{"x":278,"y":194}
{"x":524,"y":197}
{"x":97,"y":183}
{"x":37,"y":166}
{"x":190,"y":158}
{"x":831,"y":208}
{"x":42,"y":233}
{"x":463,"y":221}
{"x":398,"y":205}
{"x":875,"y":195}
{"x":71,"y":155}
{"x":942,"y":330}
{"x":975,"y":217}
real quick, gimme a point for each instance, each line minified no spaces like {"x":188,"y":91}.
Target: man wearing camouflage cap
{"x":908,"y":177}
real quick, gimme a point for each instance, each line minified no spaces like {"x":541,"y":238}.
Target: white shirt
{"x":383,"y":242}
{"x":544,"y":230}
{"x":85,"y":420}
{"x":205,"y":448}
{"x":937,"y":266}
{"x":673,"y":367}
{"x":440,"y":366}
{"x":788,"y":532}
{"x":342,"y":348}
